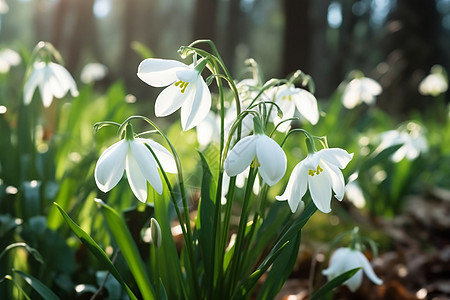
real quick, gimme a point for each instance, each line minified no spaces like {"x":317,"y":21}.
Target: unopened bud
{"x":155,"y":233}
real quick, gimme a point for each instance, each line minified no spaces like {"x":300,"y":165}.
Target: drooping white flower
{"x":186,"y":89}
{"x":353,"y":192}
{"x":412,"y":138}
{"x":133,"y":157}
{"x":93,"y":72}
{"x":345,"y":259}
{"x":288,"y":98}
{"x":434,"y":84}
{"x":53,"y":81}
{"x":4,"y":8}
{"x":320,"y":172}
{"x":208,"y":130}
{"x":361,"y":90}
{"x":8,"y":58}
{"x":270,"y":158}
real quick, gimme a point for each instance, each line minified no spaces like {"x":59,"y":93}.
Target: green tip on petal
{"x":129,"y":134}
{"x":257,"y":126}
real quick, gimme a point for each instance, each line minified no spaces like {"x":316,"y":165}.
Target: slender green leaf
{"x":96,"y":250}
{"x":250,"y":283}
{"x":38,"y":286}
{"x":281,"y":269}
{"x":333,"y":283}
{"x":31,"y":250}
{"x":205,"y":222}
{"x":129,"y":249}
{"x":379,"y":157}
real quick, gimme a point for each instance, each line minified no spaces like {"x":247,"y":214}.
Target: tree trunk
{"x":296,"y":52}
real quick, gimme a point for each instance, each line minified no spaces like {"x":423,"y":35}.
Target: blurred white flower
{"x":132,"y":156}
{"x":53,"y":81}
{"x":361,"y":90}
{"x":4,"y":8}
{"x":355,"y":194}
{"x":345,"y":259}
{"x":93,"y":72}
{"x":186,"y":89}
{"x":208,"y":130}
{"x":434,"y":84}
{"x":412,"y":138}
{"x":8,"y":58}
{"x":320,"y":172}
{"x":289,"y":98}
{"x":270,"y":158}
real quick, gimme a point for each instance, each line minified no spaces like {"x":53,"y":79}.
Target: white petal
{"x":208,"y":130}
{"x":296,"y":187}
{"x":65,"y":79}
{"x":159,"y":72}
{"x":170,"y":99}
{"x":306,"y":104}
{"x":271,"y":158}
{"x":320,"y":189}
{"x":371,"y":86}
{"x":355,"y":281}
{"x":110,"y":166}
{"x":241,"y":156}
{"x":196,"y":109}
{"x":336,"y":177}
{"x":164,"y":156}
{"x":336,"y":156}
{"x":368,"y":269}
{"x":31,"y":84}
{"x":147,"y":165}
{"x":136,"y":179}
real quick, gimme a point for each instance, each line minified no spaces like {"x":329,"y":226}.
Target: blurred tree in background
{"x":393,"y":41}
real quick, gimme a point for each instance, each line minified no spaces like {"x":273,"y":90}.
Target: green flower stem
{"x":309,"y":139}
{"x":187,"y":234}
{"x":223,"y":239}
{"x":236,"y":259}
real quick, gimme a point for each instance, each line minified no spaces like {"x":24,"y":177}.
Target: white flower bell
{"x":8,"y":58}
{"x":53,"y":81}
{"x":320,"y":172}
{"x":132,"y":155}
{"x":288,"y":98}
{"x":361,"y":90}
{"x":345,"y":259}
{"x":92,"y":72}
{"x":434,"y":84}
{"x":412,"y":138}
{"x":186,"y":89}
{"x":269,"y":156}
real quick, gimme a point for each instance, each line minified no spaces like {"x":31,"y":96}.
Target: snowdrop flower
{"x":354,"y":193}
{"x":434,"y":84}
{"x":93,"y":72}
{"x":4,"y":8}
{"x":270,"y":158}
{"x":208,"y":130}
{"x":53,"y":81}
{"x":186,"y":89}
{"x":345,"y":259}
{"x":413,"y":140}
{"x":132,"y":155}
{"x":320,"y":172}
{"x":361,"y":90}
{"x":288,"y":98}
{"x":8,"y":58}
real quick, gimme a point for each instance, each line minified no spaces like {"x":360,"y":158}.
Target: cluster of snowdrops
{"x":249,"y":129}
